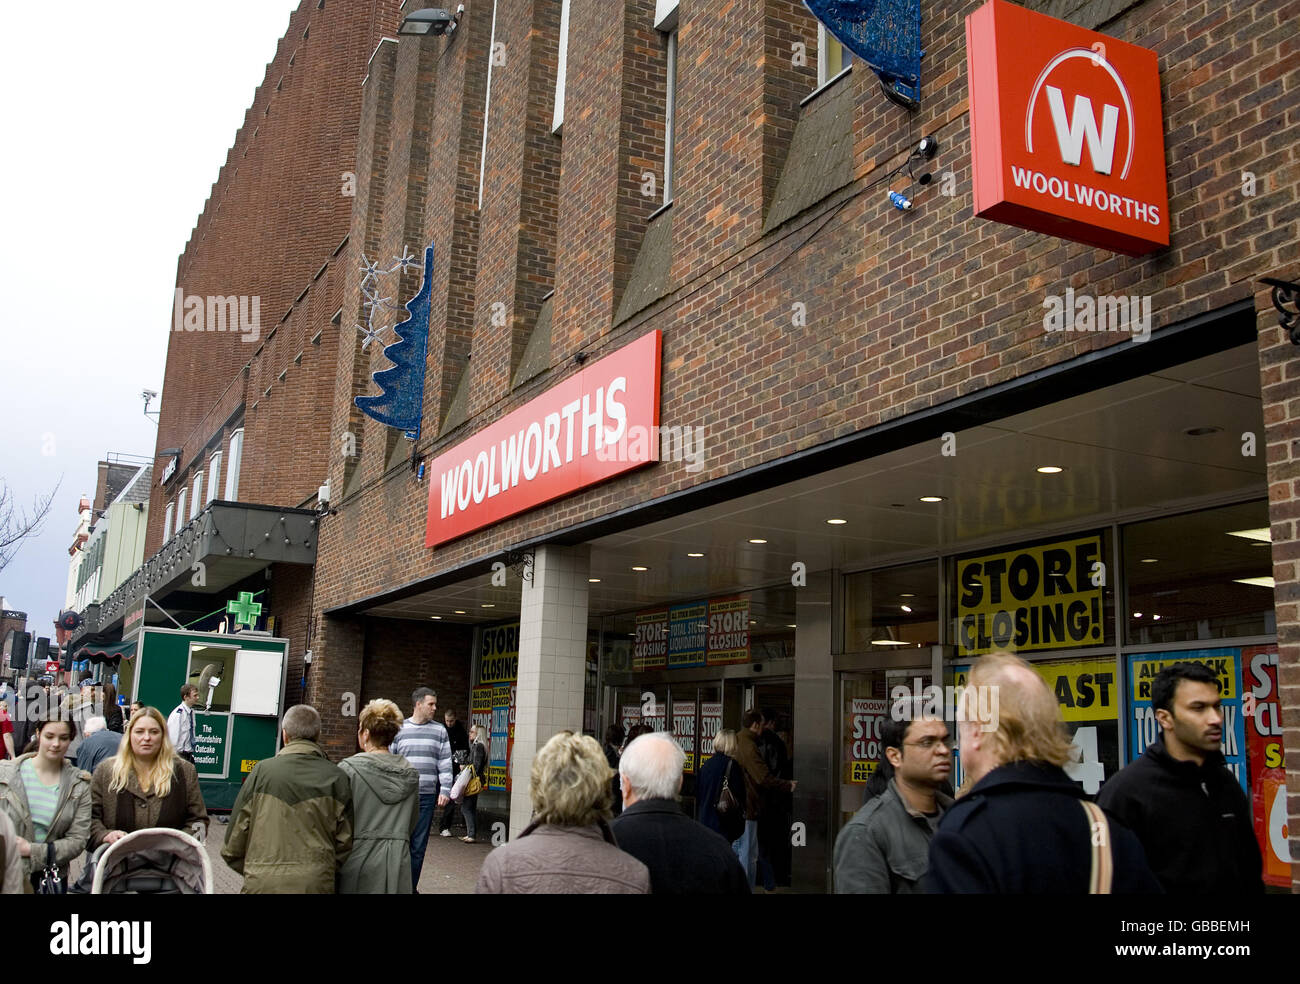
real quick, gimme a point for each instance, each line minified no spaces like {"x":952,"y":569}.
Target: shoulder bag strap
{"x":1103,"y":863}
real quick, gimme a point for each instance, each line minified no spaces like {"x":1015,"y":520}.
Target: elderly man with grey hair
{"x":291,"y":825}
{"x":99,"y":743}
{"x":684,"y":857}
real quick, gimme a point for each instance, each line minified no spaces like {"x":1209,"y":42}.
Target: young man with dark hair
{"x":1186,"y":808}
{"x":884,"y":849}
{"x":424,"y":743}
{"x":758,"y":778}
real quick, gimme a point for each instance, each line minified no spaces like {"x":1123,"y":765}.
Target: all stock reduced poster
{"x":1143,"y":728}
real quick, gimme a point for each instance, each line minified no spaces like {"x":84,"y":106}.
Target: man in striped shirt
{"x":424,"y":743}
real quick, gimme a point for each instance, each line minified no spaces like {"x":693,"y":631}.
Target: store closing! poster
{"x":1264,"y":742}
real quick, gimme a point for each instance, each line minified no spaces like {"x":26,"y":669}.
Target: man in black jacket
{"x":459,"y":739}
{"x":684,"y":857}
{"x":1186,"y":808}
{"x":1023,"y":826}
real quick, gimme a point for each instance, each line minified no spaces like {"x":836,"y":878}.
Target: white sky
{"x":117,"y":118}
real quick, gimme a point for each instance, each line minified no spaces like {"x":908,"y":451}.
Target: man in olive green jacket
{"x":291,"y":826}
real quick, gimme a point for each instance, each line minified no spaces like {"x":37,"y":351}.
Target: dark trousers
{"x":420,"y":839}
{"x":469,"y":809}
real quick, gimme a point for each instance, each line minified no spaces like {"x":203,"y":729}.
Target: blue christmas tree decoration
{"x":886,"y":34}
{"x":401,"y":400}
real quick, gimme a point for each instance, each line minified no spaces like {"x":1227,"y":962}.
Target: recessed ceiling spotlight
{"x":932,"y":498}
{"x":487,"y":605}
{"x":695,"y":554}
{"x":1156,"y":617}
{"x":593,"y":580}
{"x":1150,"y":560}
{"x":907,"y":594}
{"x":460,"y":611}
{"x":837,"y":522}
{"x":640,"y":568}
{"x":1201,"y":431}
{"x":1137,"y":614}
{"x":906,"y":608}
{"x":1050,"y":469}
{"x":791,"y":625}
{"x":757,"y":540}
{"x":889,"y":642}
{"x":435,"y":616}
{"x":752,"y":622}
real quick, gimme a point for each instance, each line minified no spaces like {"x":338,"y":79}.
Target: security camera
{"x":149,"y":394}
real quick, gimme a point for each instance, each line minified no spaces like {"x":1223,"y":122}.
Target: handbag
{"x":727,"y":801}
{"x":53,"y":881}
{"x":475,"y":785}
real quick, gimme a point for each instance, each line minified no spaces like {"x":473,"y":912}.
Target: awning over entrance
{"x":104,"y":653}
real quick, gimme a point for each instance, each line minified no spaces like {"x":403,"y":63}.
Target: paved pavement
{"x":450,"y":865}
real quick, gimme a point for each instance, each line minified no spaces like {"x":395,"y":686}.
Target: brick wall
{"x":904,"y":310}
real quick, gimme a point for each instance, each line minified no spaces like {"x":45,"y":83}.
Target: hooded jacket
{"x":385,"y":808}
{"x":1022,"y":830}
{"x":71,"y":827}
{"x":1193,"y":821}
{"x":291,"y":826}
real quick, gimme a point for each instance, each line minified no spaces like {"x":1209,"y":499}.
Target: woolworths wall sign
{"x":1067,"y":132}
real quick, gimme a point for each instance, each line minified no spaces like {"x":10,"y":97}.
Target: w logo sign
{"x":1072,"y":131}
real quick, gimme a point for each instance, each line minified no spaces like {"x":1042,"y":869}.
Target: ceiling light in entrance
{"x":1150,"y":560}
{"x":837,"y":522}
{"x":907,"y":594}
{"x":1261,"y":535}
{"x":435,"y":616}
{"x":593,"y":580}
{"x":1049,"y":469}
{"x":889,"y":642}
{"x":639,"y":568}
{"x":932,"y":498}
{"x":906,"y":608}
{"x":757,"y":540}
{"x":460,"y":611}
{"x":1137,"y":614}
{"x":696,"y":554}
{"x":1258,"y":582}
{"x":791,"y":625}
{"x":487,"y":604}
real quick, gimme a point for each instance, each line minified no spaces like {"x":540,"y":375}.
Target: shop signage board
{"x":498,"y":653}
{"x":1067,"y":130}
{"x":1264,"y":743}
{"x":688,"y":627}
{"x":629,"y":716}
{"x":1143,"y":726}
{"x":1088,"y":693}
{"x":684,"y":731}
{"x":600,"y":422}
{"x":480,"y":709}
{"x":493,"y":699}
{"x":867,"y":716}
{"x":728,"y":630}
{"x":650,"y":648}
{"x":710,"y":725}
{"x":502,"y":736}
{"x":1048,"y":596}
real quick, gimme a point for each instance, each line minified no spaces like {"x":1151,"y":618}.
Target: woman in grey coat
{"x":385,"y":808}
{"x":48,"y":800}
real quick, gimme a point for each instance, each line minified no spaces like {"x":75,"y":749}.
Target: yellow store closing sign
{"x":1047,"y":596}
{"x":1086,"y":689}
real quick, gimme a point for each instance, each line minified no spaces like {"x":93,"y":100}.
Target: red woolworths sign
{"x":598,"y":423}
{"x":1067,"y":135}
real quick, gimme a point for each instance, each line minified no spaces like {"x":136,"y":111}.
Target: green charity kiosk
{"x":241,"y":679}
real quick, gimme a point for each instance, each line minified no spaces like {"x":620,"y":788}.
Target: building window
{"x":232,"y":473}
{"x":670,"y":113}
{"x":557,"y":119}
{"x":167,"y":521}
{"x":214,"y":477}
{"x":832,"y":57}
{"x":197,"y":502}
{"x":180,"y":509}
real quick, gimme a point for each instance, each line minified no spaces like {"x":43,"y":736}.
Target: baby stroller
{"x":153,"y":861}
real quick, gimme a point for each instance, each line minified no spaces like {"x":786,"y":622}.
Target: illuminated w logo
{"x":1072,"y":131}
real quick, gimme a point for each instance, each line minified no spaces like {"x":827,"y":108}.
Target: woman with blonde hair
{"x":146,"y":784}
{"x":719,"y":772}
{"x":568,"y":848}
{"x":385,"y":807}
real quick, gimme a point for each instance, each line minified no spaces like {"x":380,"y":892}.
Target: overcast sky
{"x":117,"y":118}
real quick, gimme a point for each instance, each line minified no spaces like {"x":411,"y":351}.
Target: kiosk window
{"x":892,"y":609}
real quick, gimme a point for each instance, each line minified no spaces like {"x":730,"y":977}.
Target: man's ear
{"x":1165,"y":719}
{"x":895,"y":756}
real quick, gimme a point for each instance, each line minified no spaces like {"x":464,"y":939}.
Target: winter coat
{"x":552,"y":860}
{"x":70,"y":830}
{"x":385,"y":809}
{"x":291,"y":827}
{"x":1194,"y":822}
{"x":684,"y":857}
{"x":478,"y":756}
{"x":130,"y":809}
{"x":758,"y":777}
{"x":708,"y":789}
{"x":1021,"y":830}
{"x":885,"y":848}
{"x":11,"y":862}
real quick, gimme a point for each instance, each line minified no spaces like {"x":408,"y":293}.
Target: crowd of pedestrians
{"x":607,"y":817}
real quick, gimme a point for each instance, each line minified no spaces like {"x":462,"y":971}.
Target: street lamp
{"x":431,"y":20}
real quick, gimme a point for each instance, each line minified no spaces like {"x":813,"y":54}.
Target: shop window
{"x":1034,"y":599}
{"x":1202,"y":575}
{"x":893,"y":608}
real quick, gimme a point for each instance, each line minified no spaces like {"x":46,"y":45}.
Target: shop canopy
{"x":104,"y":653}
